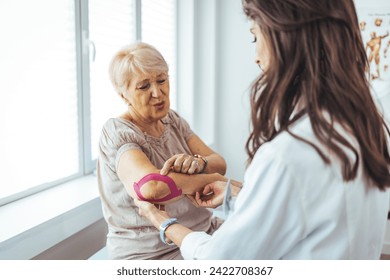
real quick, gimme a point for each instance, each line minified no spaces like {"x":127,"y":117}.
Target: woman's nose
{"x":156,"y":92}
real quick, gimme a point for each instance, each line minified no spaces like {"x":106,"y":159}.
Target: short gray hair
{"x":137,"y":57}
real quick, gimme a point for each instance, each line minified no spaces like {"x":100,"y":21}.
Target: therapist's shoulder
{"x":293,"y":151}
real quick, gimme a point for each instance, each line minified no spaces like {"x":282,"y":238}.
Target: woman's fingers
{"x":168,"y":165}
{"x":177,"y":166}
{"x":181,"y":163}
{"x":194,"y":167}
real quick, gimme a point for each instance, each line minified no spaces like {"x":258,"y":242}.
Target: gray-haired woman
{"x":150,"y":152}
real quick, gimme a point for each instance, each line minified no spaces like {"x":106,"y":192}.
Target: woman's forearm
{"x":215,"y":164}
{"x":189,"y":184}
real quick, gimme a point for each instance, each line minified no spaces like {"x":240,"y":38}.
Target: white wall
{"x":236,"y":72}
{"x":223,"y":72}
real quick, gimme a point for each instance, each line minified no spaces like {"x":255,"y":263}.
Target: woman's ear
{"x":124,"y":99}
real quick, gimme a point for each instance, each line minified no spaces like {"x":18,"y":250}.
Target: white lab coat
{"x":294,"y":206}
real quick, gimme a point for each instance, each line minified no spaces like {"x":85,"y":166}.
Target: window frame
{"x":87,"y":165}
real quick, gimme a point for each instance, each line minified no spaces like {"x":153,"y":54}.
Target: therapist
{"x":317,"y":183}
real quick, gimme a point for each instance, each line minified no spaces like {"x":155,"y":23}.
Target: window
{"x":55,"y":92}
{"x":112,"y":24}
{"x":161,"y":33}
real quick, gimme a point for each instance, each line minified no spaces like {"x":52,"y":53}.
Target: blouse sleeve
{"x":181,"y":124}
{"x":258,"y":227}
{"x":117,"y":138}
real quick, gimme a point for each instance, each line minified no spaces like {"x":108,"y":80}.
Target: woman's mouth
{"x":160,"y":105}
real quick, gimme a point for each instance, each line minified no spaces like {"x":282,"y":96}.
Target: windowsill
{"x":36,"y":223}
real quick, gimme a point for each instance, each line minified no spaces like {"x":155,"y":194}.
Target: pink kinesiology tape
{"x":175,"y":191}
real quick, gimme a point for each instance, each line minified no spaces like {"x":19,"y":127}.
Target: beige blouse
{"x":130,"y":236}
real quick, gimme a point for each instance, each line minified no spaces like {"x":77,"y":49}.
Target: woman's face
{"x":262,"y":52}
{"x":148,"y":95}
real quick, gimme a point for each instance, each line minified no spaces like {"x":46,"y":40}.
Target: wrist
{"x":204,"y":161}
{"x":163,"y":227}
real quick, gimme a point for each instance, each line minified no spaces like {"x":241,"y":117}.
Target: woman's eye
{"x":144,"y":87}
{"x":161,"y":81}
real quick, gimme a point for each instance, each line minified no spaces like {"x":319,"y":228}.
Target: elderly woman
{"x":150,"y":153}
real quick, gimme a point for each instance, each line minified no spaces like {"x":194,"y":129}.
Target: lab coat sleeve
{"x":191,"y":242}
{"x":268,"y":219}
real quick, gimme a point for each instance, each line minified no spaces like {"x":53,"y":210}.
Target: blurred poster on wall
{"x":374,"y":22}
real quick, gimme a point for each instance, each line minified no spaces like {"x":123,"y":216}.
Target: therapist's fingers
{"x":207,"y":189}
{"x":205,"y":201}
{"x":212,"y":195}
{"x":144,"y":207}
{"x":160,"y":207}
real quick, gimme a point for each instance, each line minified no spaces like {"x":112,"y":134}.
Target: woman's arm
{"x":182,"y":163}
{"x":134,"y":165}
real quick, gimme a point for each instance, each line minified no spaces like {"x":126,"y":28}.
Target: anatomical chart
{"x":375,"y":27}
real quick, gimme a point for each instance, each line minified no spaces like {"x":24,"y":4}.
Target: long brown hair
{"x":317,"y":57}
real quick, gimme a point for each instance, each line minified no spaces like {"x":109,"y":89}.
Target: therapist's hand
{"x":211,"y":196}
{"x":175,"y":232}
{"x":151,"y":212}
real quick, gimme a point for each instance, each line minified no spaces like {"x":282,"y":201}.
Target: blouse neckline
{"x":156,"y":140}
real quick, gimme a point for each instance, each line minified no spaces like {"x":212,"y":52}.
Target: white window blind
{"x":159,"y":29}
{"x":38,"y":94}
{"x":112,"y":25}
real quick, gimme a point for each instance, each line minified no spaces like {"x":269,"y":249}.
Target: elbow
{"x":222,"y":169}
{"x":154,"y":190}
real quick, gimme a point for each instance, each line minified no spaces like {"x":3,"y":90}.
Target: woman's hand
{"x":182,"y":163}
